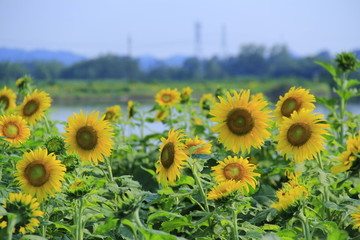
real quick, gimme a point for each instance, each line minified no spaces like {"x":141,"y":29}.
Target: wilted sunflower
{"x":26,"y":207}
{"x":204,"y":149}
{"x":112,"y":113}
{"x":350,"y":156}
{"x":7,"y":99}
{"x":14,"y":129}
{"x":223,"y":189}
{"x":161,"y":115}
{"x":289,"y":195}
{"x":355,"y":218}
{"x":237,"y":169}
{"x":301,"y":135}
{"x":294,"y":100}
{"x":171,"y":157}
{"x":207,"y":102}
{"x":242,"y":124}
{"x":34,"y":106}
{"x":130,"y":109}
{"x":185,"y":94}
{"x":167,"y":97}
{"x":39,"y":173}
{"x":89,"y":137}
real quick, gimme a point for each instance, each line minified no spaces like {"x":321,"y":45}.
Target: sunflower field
{"x":230,"y":166}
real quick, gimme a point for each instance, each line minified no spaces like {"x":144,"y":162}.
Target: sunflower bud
{"x":346,"y":61}
{"x":55,"y":145}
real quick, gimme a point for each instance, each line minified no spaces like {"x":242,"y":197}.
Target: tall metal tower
{"x":198,"y":49}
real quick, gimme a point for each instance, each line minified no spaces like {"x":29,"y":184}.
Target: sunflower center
{"x":30,"y":108}
{"x":240,"y":121}
{"x":289,"y":106}
{"x":36,"y":174}
{"x":11,"y":130}
{"x":233,"y":171}
{"x":109,"y":115}
{"x":4,"y":101}
{"x":167,"y":155}
{"x":298,"y":134}
{"x":166,"y":98}
{"x":86,"y":137}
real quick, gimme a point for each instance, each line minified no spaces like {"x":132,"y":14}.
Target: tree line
{"x":252,"y":60}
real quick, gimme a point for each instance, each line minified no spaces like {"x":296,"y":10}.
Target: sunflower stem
{"x":79,"y":231}
{"x":198,"y":182}
{"x":13,"y":219}
{"x":170,"y":118}
{"x":109,"y":168}
{"x":43,"y":227}
{"x":47,"y":126}
{"x":305,"y":224}
{"x":326,"y":196}
{"x":234,"y":218}
{"x":342,"y":108}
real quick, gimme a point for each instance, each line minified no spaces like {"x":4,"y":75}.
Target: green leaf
{"x":109,"y":224}
{"x":327,"y":102}
{"x":329,"y":67}
{"x":201,"y":156}
{"x":333,"y":206}
{"x":32,"y":237}
{"x":270,"y":227}
{"x":175,"y":224}
{"x":287,"y":234}
{"x":338,"y":235}
{"x":162,"y":214}
{"x":270,"y":236}
{"x":67,"y":227}
{"x":353,"y":82}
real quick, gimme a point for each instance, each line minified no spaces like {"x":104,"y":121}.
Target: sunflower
{"x":242,"y":124}
{"x":350,"y":156}
{"x":238,"y":169}
{"x":289,"y":195}
{"x":202,"y":147}
{"x":14,"y":129}
{"x":167,"y":97}
{"x":355,"y":218}
{"x":130,"y":109}
{"x":161,"y":115}
{"x":294,"y":100}
{"x":7,"y":99}
{"x":185,"y":94}
{"x":301,"y":135}
{"x":39,"y":173}
{"x":112,"y":113}
{"x":34,"y":106}
{"x":196,"y":120}
{"x":171,"y":157}
{"x":24,"y":206}
{"x":207,"y":101}
{"x":89,"y":137}
{"x":223,"y":189}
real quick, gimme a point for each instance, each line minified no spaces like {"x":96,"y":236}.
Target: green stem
{"x":198,"y":182}
{"x":79,"y":232}
{"x":108,"y":165}
{"x":47,"y":126}
{"x":305,"y":225}
{"x":13,"y":219}
{"x":170,"y":118}
{"x":235,"y":225}
{"x":326,"y":195}
{"x":43,"y":227}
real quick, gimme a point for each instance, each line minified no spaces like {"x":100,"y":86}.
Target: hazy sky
{"x":166,"y":27}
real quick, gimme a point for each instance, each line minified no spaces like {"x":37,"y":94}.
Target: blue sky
{"x":163,"y":28}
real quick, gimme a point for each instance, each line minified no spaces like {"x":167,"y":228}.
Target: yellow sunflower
{"x":204,"y":149}
{"x":301,"y":135}
{"x":171,"y":158}
{"x":167,"y":97}
{"x":130,"y":109}
{"x":242,"y":124}
{"x":350,"y":156}
{"x":185,"y":94}
{"x":223,"y":189}
{"x":34,"y":106}
{"x":39,"y":173}
{"x":355,"y":218}
{"x":14,"y":129}
{"x":289,"y":195}
{"x":24,"y":206}
{"x":7,"y":99}
{"x":161,"y":115}
{"x":237,"y":169}
{"x":207,"y":101}
{"x":89,"y":137}
{"x":112,"y":113}
{"x":294,"y":100}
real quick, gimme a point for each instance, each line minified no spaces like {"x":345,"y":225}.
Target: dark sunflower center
{"x":4,"y":102}
{"x":166,"y":98}
{"x":36,"y":173}
{"x":239,"y":121}
{"x":167,"y":155}
{"x":30,"y":108}
{"x":86,"y":137}
{"x":298,"y":134}
{"x":233,"y":171}
{"x":10,"y":130}
{"x":109,"y":115}
{"x":289,"y":106}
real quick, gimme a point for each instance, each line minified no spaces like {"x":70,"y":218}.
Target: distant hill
{"x":148,"y":62}
{"x":19,"y":55}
